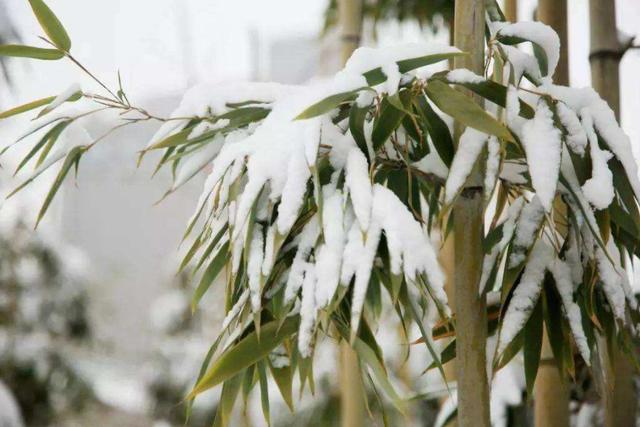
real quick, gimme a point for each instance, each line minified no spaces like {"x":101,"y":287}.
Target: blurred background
{"x":95,"y":325}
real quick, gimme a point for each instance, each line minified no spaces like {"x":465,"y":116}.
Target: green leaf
{"x":538,"y":51}
{"x":20,"y":51}
{"x":264,"y":391}
{"x":173,"y":140}
{"x":26,"y":107}
{"x":328,"y":104}
{"x":356,"y":126}
{"x":284,"y":379}
{"x":74,"y":156}
{"x":463,"y":109}
{"x":437,"y":128}
{"x":52,"y":133}
{"x":51,"y":25}
{"x":246,"y":352}
{"x":533,"y":346}
{"x":386,"y":123}
{"x":71,"y":98}
{"x":377,"y":76}
{"x":496,"y":93}
{"x":210,"y":274}
{"x":228,"y":397}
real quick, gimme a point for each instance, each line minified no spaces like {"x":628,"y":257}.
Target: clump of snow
{"x":540,"y":34}
{"x":463,"y":75}
{"x":604,"y":120}
{"x":599,"y":188}
{"x":527,"y":226}
{"x":562,"y":277}
{"x":542,"y":145}
{"x":576,"y":136}
{"x":493,"y":166}
{"x":432,"y":164}
{"x":469,"y":147}
{"x":359,"y":185}
{"x":526,"y":294}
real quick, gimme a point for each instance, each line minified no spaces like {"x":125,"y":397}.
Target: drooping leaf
{"x":74,"y":156}
{"x":533,"y":346}
{"x":20,"y":51}
{"x":26,"y":107}
{"x":246,"y":352}
{"x":377,"y":76}
{"x":210,"y":274}
{"x":228,"y":397}
{"x":51,"y":25}
{"x":327,"y":104}
{"x":463,"y":109}
{"x":438,"y":130}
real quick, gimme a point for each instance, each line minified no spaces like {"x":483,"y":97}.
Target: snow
{"x":604,"y":120}
{"x":469,"y":148}
{"x":359,"y":185}
{"x":526,"y":294}
{"x":599,"y":188}
{"x":611,"y":278}
{"x":508,"y":227}
{"x":432,"y":164}
{"x":194,"y":163}
{"x":392,"y":83}
{"x":542,"y":145}
{"x":540,"y":34}
{"x":576,"y":136}
{"x":527,"y":226}
{"x":308,"y":311}
{"x":63,"y":97}
{"x":254,"y":267}
{"x":306,"y":241}
{"x":329,"y":255}
{"x":463,"y":75}
{"x":521,"y":62}
{"x":562,"y":277}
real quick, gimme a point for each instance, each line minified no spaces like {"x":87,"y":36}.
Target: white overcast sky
{"x":162,"y":45}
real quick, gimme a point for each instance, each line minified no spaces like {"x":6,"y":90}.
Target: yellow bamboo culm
{"x":471,"y":316}
{"x":618,"y":390}
{"x":352,"y":395}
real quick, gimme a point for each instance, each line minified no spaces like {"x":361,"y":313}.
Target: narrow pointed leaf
{"x":247,"y":352}
{"x":20,"y":51}
{"x":51,"y":25}
{"x":463,"y":109}
{"x":26,"y":107}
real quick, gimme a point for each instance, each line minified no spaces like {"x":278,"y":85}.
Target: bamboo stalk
{"x":551,"y":403}
{"x":352,"y":394}
{"x":619,"y":394}
{"x":511,"y":10}
{"x":471,"y":317}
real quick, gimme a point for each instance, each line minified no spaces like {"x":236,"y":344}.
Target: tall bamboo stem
{"x":470,"y":308}
{"x":551,"y":389}
{"x":511,"y":10}
{"x":352,"y":394}
{"x":619,"y":394}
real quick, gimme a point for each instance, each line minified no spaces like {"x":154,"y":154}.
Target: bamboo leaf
{"x":533,"y":346}
{"x":327,"y":104}
{"x":228,"y":397}
{"x":26,"y":107}
{"x":74,"y":155}
{"x":386,"y":123}
{"x":463,"y":109}
{"x":377,"y":76}
{"x":284,"y":380}
{"x":264,"y":391}
{"x":246,"y":352}
{"x":210,"y":274}
{"x":51,"y":25}
{"x":20,"y":51}
{"x":356,"y":126}
{"x":437,"y":128}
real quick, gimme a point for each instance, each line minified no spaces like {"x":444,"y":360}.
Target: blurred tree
{"x":42,"y":307}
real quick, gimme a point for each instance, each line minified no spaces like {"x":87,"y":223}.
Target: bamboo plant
{"x":323,"y":200}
